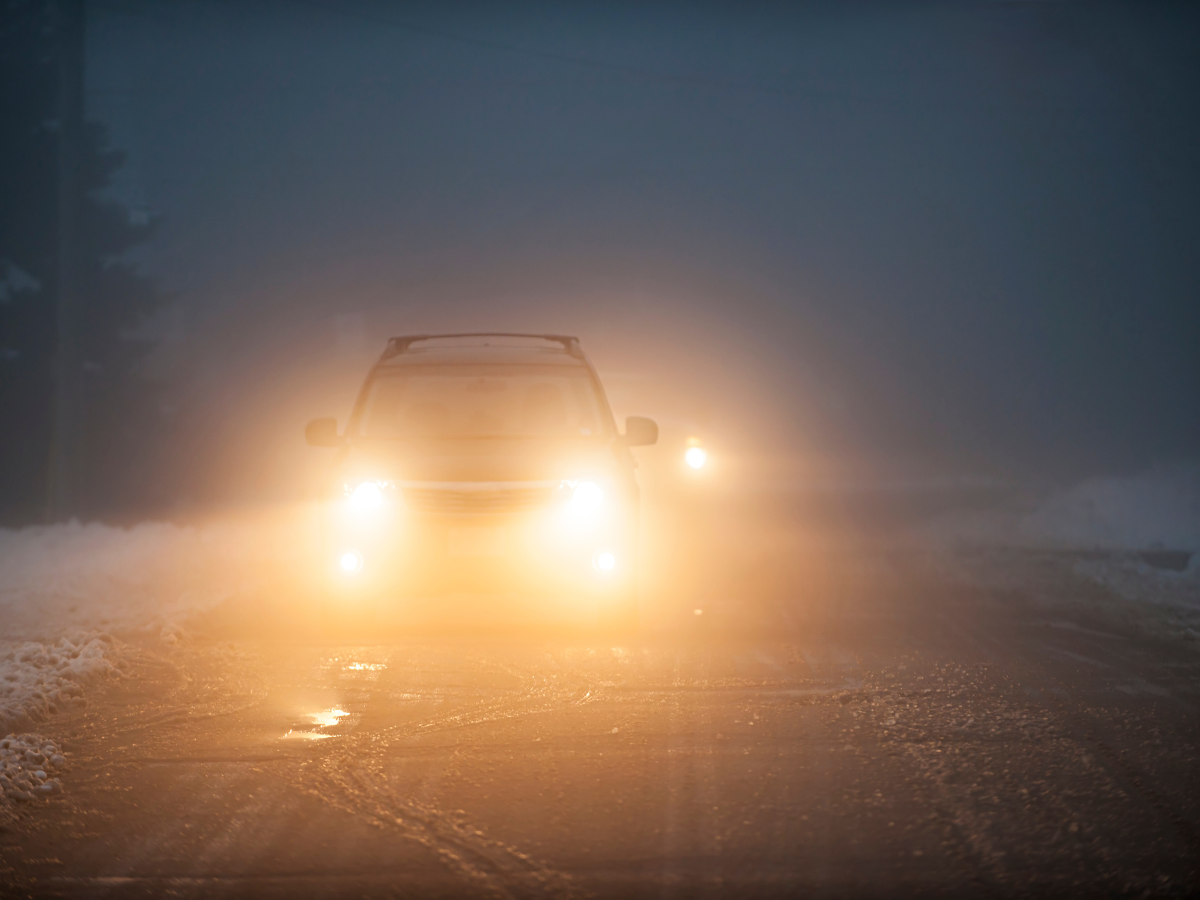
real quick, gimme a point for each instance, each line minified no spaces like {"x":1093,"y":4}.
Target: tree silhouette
{"x":116,"y":420}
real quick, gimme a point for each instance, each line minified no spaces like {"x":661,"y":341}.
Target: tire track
{"x":359,"y":786}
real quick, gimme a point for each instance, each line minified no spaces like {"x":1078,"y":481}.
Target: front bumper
{"x":544,"y":551}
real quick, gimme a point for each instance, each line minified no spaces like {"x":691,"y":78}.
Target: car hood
{"x":477,"y":460}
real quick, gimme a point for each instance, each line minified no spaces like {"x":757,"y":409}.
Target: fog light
{"x":695,"y":457}
{"x":351,"y":562}
{"x":604,"y":561}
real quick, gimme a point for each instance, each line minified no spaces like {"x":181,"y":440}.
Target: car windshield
{"x":482,"y":401}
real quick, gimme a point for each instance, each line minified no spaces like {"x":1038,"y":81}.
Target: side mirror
{"x":322,"y":433}
{"x":640,"y":432}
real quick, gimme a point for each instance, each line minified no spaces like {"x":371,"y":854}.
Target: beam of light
{"x":604,"y":561}
{"x":695,"y":457}
{"x":351,"y":562}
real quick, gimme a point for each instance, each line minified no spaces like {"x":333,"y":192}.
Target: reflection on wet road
{"x":886,"y":750}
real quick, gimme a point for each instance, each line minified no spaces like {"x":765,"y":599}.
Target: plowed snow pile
{"x":1157,"y":509}
{"x":62,"y":578}
{"x":73,"y":596}
{"x":72,"y":599}
{"x":36,"y":680}
{"x":1122,"y":550}
{"x":28,"y":763}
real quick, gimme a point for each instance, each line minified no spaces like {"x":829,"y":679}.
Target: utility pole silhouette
{"x":63,"y":488}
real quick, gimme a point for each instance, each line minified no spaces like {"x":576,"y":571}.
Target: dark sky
{"x":921,"y":241}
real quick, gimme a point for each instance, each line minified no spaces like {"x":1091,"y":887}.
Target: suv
{"x":477,"y":463}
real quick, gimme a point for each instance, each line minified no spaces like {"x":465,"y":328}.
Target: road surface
{"x":920,"y":741}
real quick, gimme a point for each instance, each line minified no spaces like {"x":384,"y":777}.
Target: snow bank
{"x":1113,"y":534}
{"x":76,"y":599}
{"x":1157,"y":509}
{"x":36,"y":680}
{"x":1121,"y":552}
{"x":65,"y":590}
{"x":73,"y":595}
{"x":60,"y":578}
{"x":28,"y":763}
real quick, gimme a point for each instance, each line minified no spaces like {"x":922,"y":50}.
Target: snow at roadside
{"x":72,"y":599}
{"x":72,"y":596}
{"x":1159,"y":509}
{"x":36,"y":681}
{"x":72,"y":577}
{"x":28,"y":764}
{"x":65,"y":590}
{"x":1122,"y":550}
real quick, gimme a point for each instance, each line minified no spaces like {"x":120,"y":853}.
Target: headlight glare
{"x":586,"y":498}
{"x":364,"y":496}
{"x":604,"y":562}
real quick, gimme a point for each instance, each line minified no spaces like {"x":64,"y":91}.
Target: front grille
{"x":477,"y":500}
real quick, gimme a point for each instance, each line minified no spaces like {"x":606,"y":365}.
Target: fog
{"x":885,"y":246}
{"x":884,"y":582}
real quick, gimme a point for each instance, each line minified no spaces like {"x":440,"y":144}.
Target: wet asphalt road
{"x":922,"y":744}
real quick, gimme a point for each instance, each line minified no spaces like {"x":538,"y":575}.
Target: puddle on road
{"x":294,"y":735}
{"x":329,"y":717}
{"x":326,"y":718}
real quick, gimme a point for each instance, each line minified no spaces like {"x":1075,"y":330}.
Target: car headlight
{"x":586,"y":498}
{"x":363,"y":496}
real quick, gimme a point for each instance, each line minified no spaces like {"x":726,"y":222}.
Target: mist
{"x":894,"y":245}
{"x":789,"y":483}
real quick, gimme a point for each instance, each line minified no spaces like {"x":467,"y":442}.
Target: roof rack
{"x":398,"y":345}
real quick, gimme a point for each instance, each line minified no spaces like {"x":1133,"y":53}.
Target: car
{"x":482,"y":463}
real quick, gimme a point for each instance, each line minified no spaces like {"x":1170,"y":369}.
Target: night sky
{"x":930,"y":242}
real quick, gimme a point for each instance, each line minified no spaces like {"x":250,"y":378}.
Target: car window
{"x":482,"y":401}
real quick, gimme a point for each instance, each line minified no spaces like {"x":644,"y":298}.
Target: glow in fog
{"x":428,"y":399}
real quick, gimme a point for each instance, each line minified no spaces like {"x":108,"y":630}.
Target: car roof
{"x":503,"y":348}
{"x":483,"y":355}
